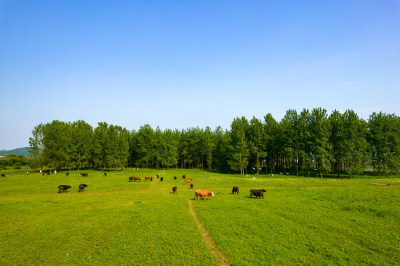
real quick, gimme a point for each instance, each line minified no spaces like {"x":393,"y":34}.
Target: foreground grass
{"x":301,"y":220}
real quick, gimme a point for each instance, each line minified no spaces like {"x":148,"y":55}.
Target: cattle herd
{"x":258,"y":193}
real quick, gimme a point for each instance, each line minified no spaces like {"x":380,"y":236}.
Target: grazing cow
{"x":158,"y":177}
{"x":84,"y":174}
{"x":3,"y":175}
{"x":105,"y":174}
{"x":184,"y":176}
{"x":188,"y":181}
{"x":63,"y":188}
{"x":175,"y":178}
{"x":202,"y":193}
{"x":174,"y":189}
{"x":146,"y":178}
{"x":235,"y":189}
{"x":82,"y":187}
{"x":134,"y":178}
{"x":161,"y":179}
{"x":67,"y":173}
{"x":257,"y":192}
{"x":191,"y":186}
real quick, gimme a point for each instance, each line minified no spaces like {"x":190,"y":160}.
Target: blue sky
{"x":180,"y":64}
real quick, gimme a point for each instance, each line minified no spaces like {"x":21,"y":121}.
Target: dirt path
{"x":207,"y":239}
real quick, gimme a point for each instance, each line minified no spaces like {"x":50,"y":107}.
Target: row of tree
{"x":300,"y":144}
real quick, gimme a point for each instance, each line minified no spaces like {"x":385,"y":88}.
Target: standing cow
{"x":82,"y":187}
{"x":235,"y":190}
{"x":134,"y":178}
{"x":174,"y":190}
{"x":63,"y":188}
{"x":203,"y":193}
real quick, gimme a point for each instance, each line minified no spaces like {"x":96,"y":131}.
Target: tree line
{"x":305,"y":143}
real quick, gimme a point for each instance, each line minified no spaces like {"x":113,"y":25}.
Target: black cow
{"x":184,"y":176}
{"x":151,"y":178}
{"x":235,"y":189}
{"x":63,"y":188}
{"x":158,"y":177}
{"x":174,"y":177}
{"x":84,"y":174}
{"x":191,"y":186}
{"x":67,"y":173}
{"x":105,"y":174}
{"x":82,"y":187}
{"x":174,"y":189}
{"x":3,"y":175}
{"x":162,"y":178}
{"x":257,"y":192}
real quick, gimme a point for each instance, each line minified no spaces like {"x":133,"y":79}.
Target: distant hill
{"x":20,"y":151}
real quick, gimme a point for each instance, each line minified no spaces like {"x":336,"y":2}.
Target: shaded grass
{"x":301,"y":220}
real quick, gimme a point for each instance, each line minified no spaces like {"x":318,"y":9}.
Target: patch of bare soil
{"x":207,"y":239}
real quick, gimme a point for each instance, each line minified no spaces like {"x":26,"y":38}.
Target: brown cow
{"x":146,"y":178}
{"x":202,"y":193}
{"x":188,"y":181}
{"x":134,"y":178}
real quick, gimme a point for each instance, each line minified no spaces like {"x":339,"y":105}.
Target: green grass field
{"x":300,"y":221}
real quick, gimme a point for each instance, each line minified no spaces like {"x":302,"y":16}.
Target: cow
{"x":67,"y":174}
{"x":184,"y":176}
{"x":158,"y":177}
{"x":82,"y":187}
{"x":188,"y":181}
{"x":42,"y":173}
{"x":134,"y":178}
{"x":235,"y":189}
{"x":202,"y":193}
{"x":63,"y":188}
{"x":174,"y":189}
{"x":146,"y":178}
{"x":191,"y":186}
{"x":3,"y":175}
{"x":151,"y":178}
{"x":84,"y":174}
{"x":105,"y":174}
{"x":175,"y":178}
{"x":257,"y":192}
{"x":161,"y":179}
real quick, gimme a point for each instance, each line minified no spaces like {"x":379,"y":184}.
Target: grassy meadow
{"x":300,"y":220}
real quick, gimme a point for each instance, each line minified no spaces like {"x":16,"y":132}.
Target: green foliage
{"x":306,"y":143}
{"x":384,"y":138}
{"x":239,"y":147}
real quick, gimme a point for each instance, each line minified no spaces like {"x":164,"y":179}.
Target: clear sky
{"x":180,"y":64}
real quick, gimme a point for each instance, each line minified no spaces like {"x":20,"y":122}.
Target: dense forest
{"x":305,"y":143}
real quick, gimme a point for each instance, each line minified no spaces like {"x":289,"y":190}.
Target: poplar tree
{"x":239,"y":146}
{"x":384,"y":138}
{"x":270,"y":136}
{"x":320,"y":148}
{"x":355,"y":143}
{"x":255,"y":143}
{"x":36,"y":144}
{"x":81,"y":143}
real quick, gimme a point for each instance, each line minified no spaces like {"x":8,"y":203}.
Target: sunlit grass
{"x":114,"y":221}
